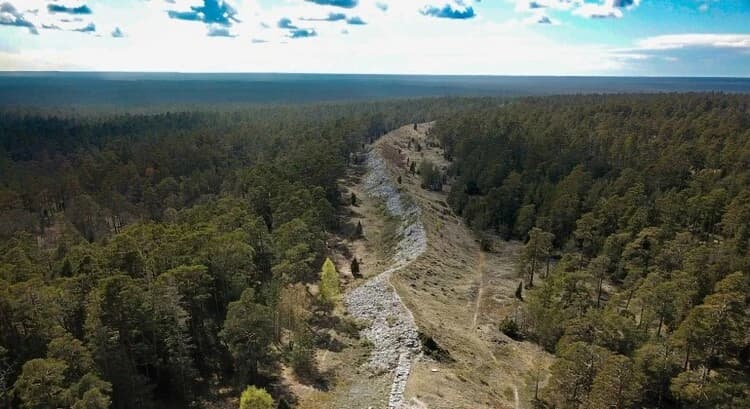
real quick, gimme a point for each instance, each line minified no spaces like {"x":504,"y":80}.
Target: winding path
{"x":391,"y":328}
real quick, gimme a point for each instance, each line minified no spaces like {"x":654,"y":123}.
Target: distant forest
{"x":154,"y":260}
{"x":635,"y":213}
{"x":115,"y":90}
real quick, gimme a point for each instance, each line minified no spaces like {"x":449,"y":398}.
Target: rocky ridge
{"x":390,"y":325}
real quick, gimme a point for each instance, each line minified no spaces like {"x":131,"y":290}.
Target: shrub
{"x":510,"y":328}
{"x":256,"y":398}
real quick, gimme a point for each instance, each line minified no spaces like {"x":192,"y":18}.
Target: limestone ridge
{"x":391,"y":328}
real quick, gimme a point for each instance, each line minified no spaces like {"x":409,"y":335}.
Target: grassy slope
{"x":457,"y":294}
{"x":448,"y":288}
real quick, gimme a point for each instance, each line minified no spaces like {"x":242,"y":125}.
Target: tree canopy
{"x":642,"y":201}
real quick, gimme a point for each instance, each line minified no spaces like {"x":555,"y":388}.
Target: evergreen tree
{"x":537,"y":250}
{"x":248,"y":332}
{"x":598,"y":268}
{"x":431,"y":177}
{"x":519,"y":291}
{"x":355,"y":267}
{"x":92,"y":399}
{"x":41,"y":384}
{"x":572,"y":375}
{"x":617,"y":384}
{"x":329,"y":282}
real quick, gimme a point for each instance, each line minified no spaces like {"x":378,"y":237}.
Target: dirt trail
{"x":480,"y":270}
{"x":390,"y":325}
{"x":458,"y":295}
{"x":427,"y":267}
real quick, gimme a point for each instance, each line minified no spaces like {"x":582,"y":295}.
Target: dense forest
{"x":155,"y":259}
{"x":635,"y":213}
{"x":158,"y":259}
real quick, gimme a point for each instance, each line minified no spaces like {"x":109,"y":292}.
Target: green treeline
{"x":646,"y":201}
{"x":150,"y":260}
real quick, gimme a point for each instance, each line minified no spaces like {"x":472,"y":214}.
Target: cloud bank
{"x":449,"y":11}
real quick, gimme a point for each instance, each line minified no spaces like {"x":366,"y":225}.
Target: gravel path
{"x":391,"y":328}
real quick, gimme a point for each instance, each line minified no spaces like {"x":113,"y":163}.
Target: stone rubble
{"x":391,"y":327}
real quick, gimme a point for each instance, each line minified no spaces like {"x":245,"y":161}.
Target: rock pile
{"x":391,"y":328}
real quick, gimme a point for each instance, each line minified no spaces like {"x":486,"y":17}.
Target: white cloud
{"x":540,"y":18}
{"x":678,"y":41}
{"x":531,"y":5}
{"x":606,"y":8}
{"x":399,"y":40}
{"x":398,"y":43}
{"x":589,"y":9}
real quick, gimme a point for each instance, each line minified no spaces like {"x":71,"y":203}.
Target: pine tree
{"x":248,"y":332}
{"x":598,"y":268}
{"x":572,"y":376}
{"x":537,"y":250}
{"x":617,"y":385}
{"x":358,"y":232}
{"x":519,"y":291}
{"x":41,"y":384}
{"x":329,"y":282}
{"x":67,"y":269}
{"x":355,"y":267}
{"x":354,"y":199}
{"x":93,"y":399}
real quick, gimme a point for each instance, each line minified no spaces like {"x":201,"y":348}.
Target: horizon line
{"x":6,"y":72}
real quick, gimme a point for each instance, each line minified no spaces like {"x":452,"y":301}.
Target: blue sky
{"x":502,"y":37}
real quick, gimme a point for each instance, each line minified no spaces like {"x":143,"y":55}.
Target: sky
{"x":488,"y":37}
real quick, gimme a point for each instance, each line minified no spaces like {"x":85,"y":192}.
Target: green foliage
{"x":358,"y":231}
{"x":645,"y":198}
{"x":142,"y":255}
{"x":41,"y":384}
{"x":152,"y":254}
{"x":519,"y":291}
{"x":73,"y":353}
{"x":617,"y":384}
{"x":255,"y":398}
{"x":248,"y":332}
{"x":536,"y":252}
{"x":573,"y":374}
{"x":510,"y":328}
{"x":354,"y":267}
{"x":432,"y":178}
{"x":90,"y":392}
{"x":329,"y":282}
{"x":302,"y":355}
{"x":92,"y":399}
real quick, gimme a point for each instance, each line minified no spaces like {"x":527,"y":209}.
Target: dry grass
{"x":458,"y":296}
{"x":350,"y":385}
